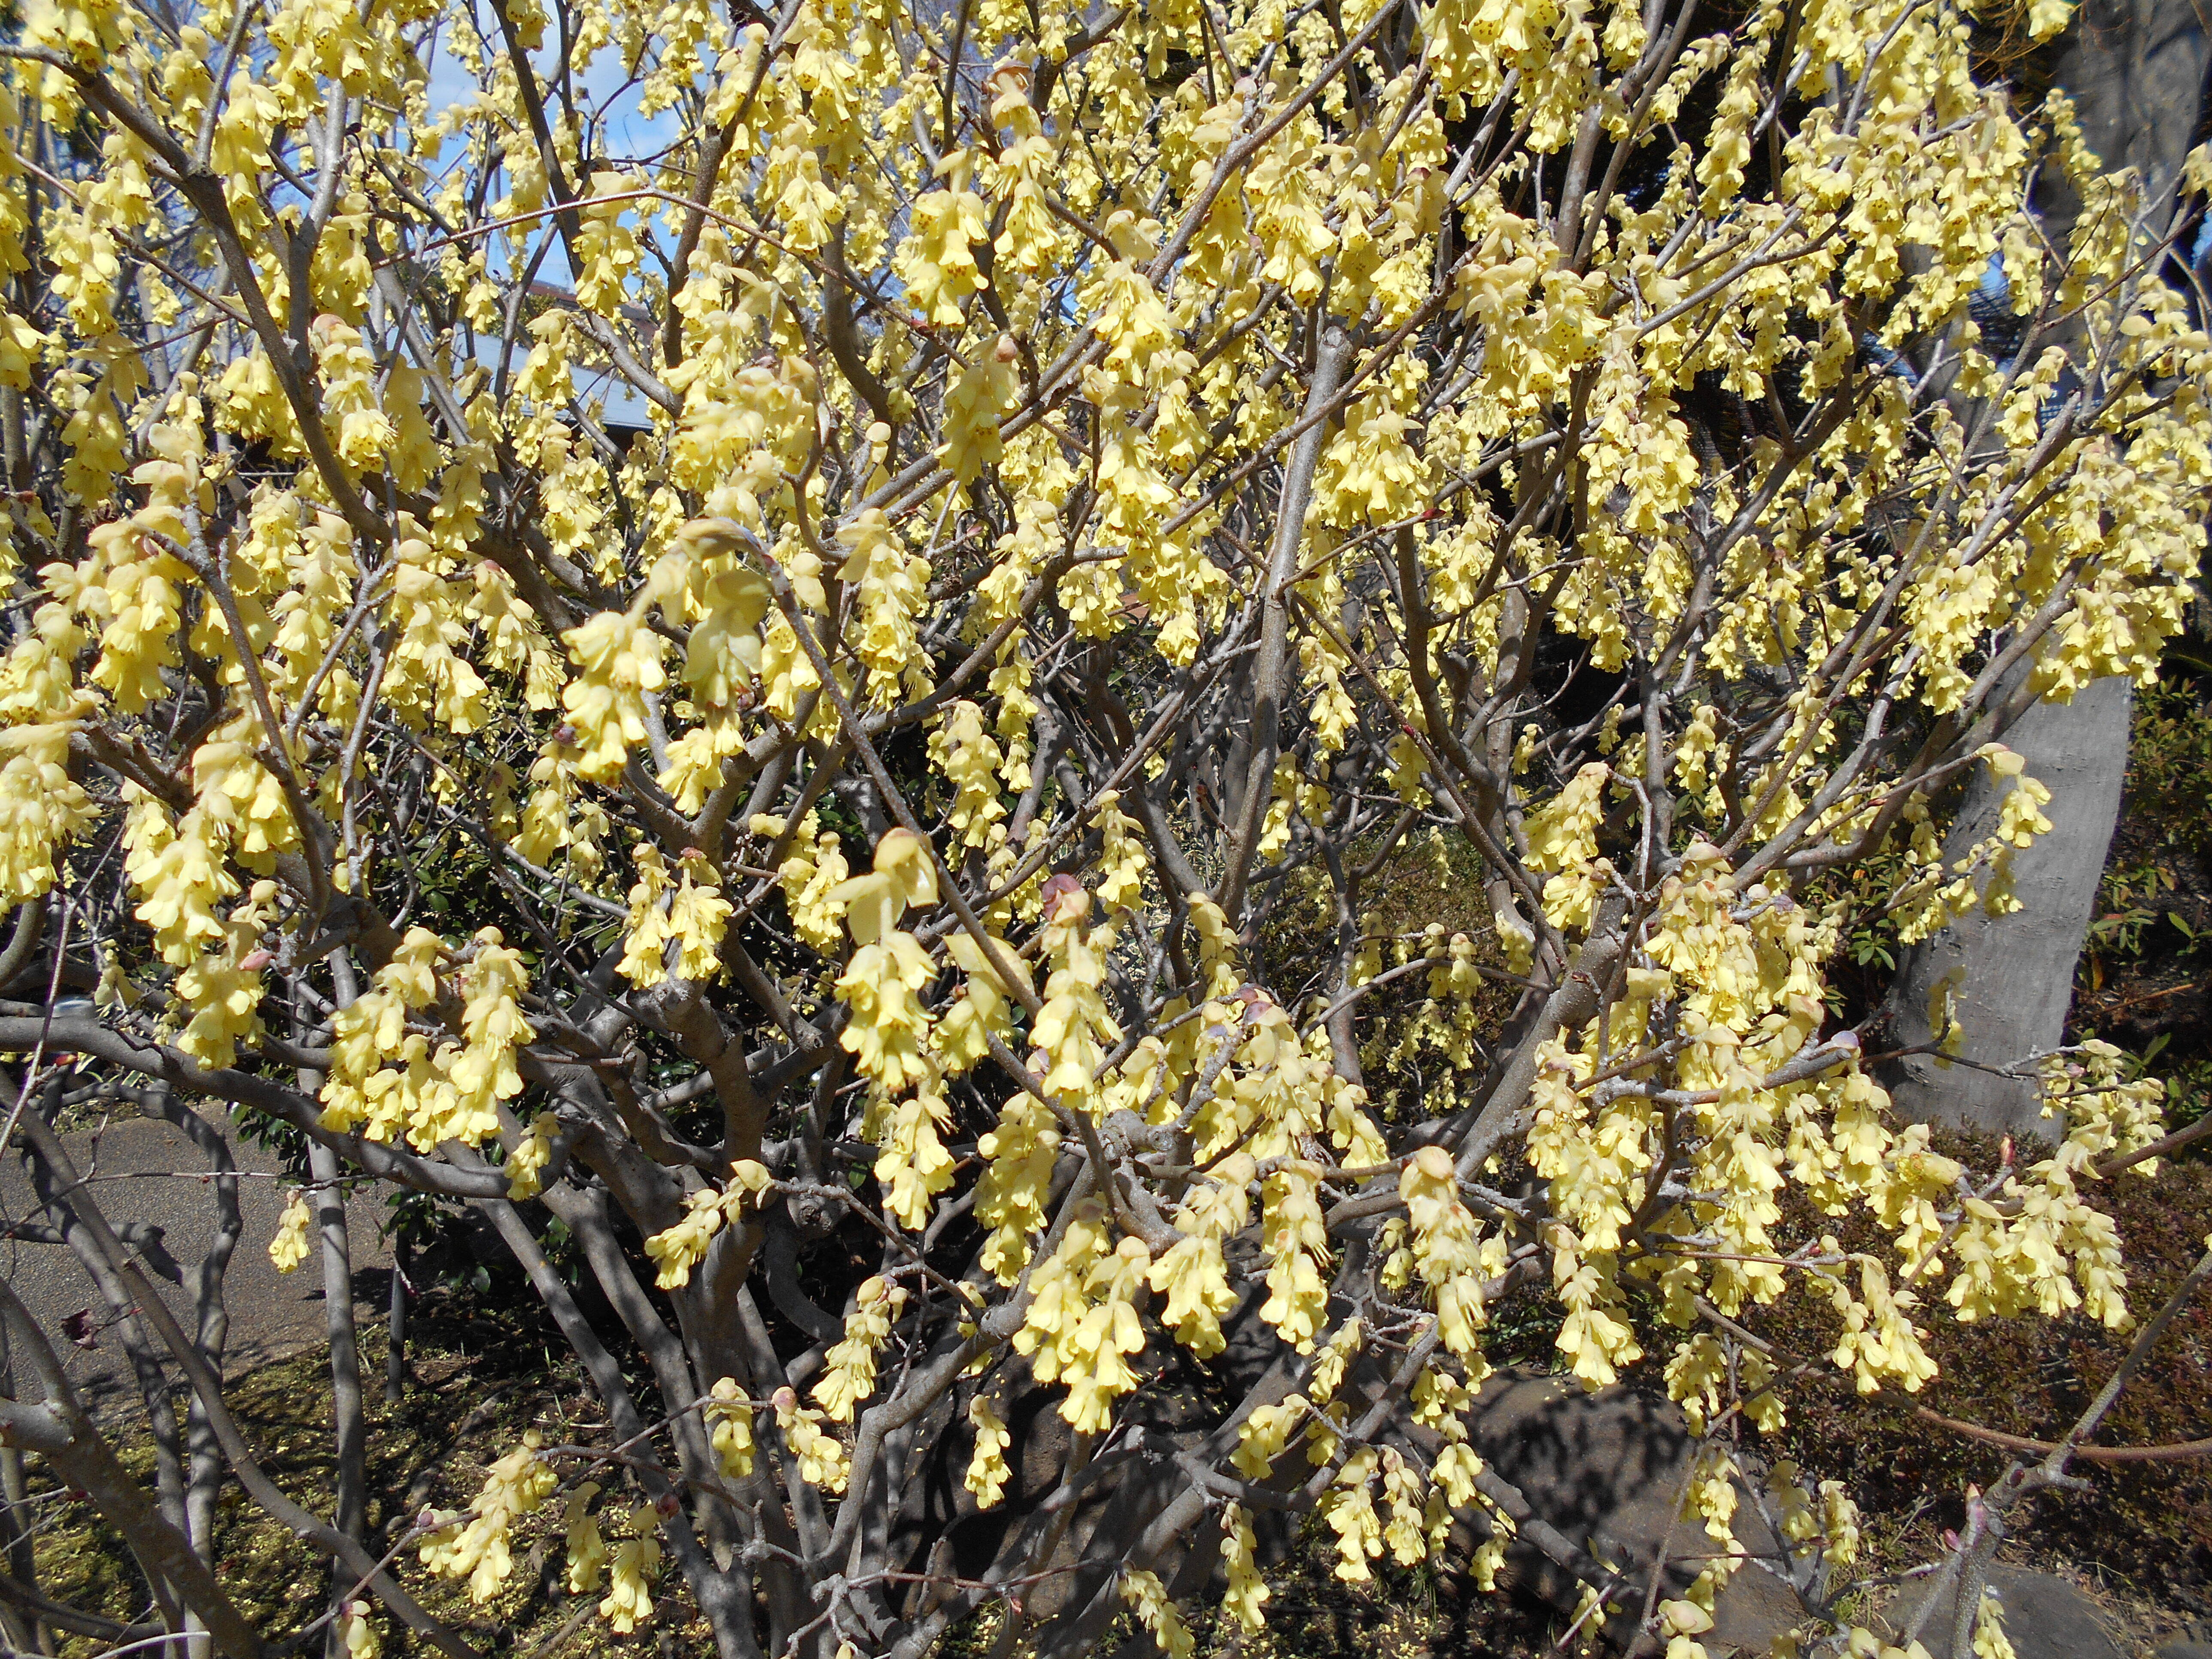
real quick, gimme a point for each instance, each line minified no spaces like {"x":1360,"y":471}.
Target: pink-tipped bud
{"x":1065,"y":901}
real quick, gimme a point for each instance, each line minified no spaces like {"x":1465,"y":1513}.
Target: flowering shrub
{"x":1000,"y":512}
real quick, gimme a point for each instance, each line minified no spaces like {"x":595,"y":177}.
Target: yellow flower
{"x":287,"y":1248}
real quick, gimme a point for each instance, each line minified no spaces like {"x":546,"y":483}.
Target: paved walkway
{"x":146,"y":1170}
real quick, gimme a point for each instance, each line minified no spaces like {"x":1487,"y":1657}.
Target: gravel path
{"x":146,"y":1170}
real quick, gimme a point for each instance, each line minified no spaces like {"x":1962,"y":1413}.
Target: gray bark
{"x":55,"y":1190}
{"x":58,"y":1429}
{"x":350,"y":1420}
{"x":352,"y":1423}
{"x":2135,"y":70}
{"x":23,"y":1629}
{"x":72,"y":1435}
{"x":395,"y":1333}
{"x":2016,"y":973}
{"x":203,"y":1483}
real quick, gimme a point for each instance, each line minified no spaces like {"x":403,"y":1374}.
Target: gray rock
{"x":2044,"y":1618}
{"x":2183,"y":1650}
{"x":1756,"y":1606}
{"x":1608,"y":1470}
